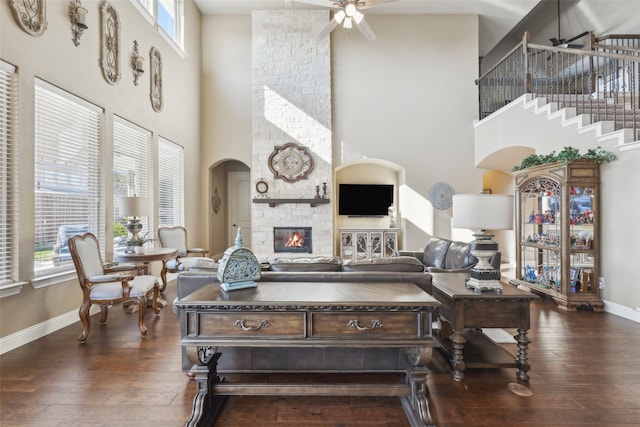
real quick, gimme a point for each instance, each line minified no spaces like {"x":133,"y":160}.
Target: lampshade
{"x":134,"y":206}
{"x":483,"y":211}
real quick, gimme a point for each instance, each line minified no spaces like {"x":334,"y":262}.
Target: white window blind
{"x":8,"y":172}
{"x":68,"y":189}
{"x":132,"y":172}
{"x":170,"y":183}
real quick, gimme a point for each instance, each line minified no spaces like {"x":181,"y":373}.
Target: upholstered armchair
{"x":176,"y":237}
{"x":107,"y":285}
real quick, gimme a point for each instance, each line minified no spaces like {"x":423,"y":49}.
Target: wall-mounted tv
{"x":364,"y":199}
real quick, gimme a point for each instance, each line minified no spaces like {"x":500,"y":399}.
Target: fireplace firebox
{"x":292,"y":240}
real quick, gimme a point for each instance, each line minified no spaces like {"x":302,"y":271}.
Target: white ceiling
{"x":497,"y":17}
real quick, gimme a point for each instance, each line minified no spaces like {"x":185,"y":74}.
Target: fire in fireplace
{"x":292,"y":239}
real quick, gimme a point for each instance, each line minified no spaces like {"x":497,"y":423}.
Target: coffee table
{"x":313,"y":315}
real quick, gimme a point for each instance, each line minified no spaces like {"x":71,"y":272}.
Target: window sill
{"x":53,"y":279}
{"x":11,"y":289}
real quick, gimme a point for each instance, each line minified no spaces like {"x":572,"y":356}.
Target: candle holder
{"x":78,"y":17}
{"x":324,"y":190}
{"x":317,"y":196}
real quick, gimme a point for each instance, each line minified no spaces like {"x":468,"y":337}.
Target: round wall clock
{"x":290,"y":162}
{"x":262,"y":187}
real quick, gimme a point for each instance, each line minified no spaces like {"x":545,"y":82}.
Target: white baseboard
{"x":34,"y":332}
{"x":622,"y":311}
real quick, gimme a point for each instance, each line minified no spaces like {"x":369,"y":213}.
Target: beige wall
{"x":54,"y":58}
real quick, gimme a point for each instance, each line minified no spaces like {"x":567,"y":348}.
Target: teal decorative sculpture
{"x":239,"y":268}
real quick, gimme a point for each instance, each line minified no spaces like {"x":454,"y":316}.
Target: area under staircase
{"x":595,"y":89}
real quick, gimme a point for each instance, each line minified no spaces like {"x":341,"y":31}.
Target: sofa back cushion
{"x":398,"y":264}
{"x":306,"y":264}
{"x":459,"y":256}
{"x":435,"y":252}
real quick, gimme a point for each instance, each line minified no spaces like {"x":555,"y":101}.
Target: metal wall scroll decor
{"x":156,"y":79}
{"x":110,"y":43}
{"x":31,"y":15}
{"x":290,"y":162}
{"x":78,"y":17}
{"x":216,"y":201}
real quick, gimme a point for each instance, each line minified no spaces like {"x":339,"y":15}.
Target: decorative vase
{"x":140,"y":249}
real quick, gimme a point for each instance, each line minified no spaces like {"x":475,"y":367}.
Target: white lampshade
{"x":483,"y":211}
{"x":134,"y":206}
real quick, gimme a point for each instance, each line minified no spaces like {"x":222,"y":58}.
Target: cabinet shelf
{"x":274,"y":202}
{"x":541,"y":246}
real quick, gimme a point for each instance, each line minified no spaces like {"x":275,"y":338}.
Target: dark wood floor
{"x":584,"y":373}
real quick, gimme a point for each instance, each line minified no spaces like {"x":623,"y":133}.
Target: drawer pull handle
{"x":261,"y":324}
{"x":374,"y":324}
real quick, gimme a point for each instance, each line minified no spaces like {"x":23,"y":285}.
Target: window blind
{"x":8,"y":172}
{"x":68,"y":188}
{"x":170,"y":183}
{"x":132,"y":171}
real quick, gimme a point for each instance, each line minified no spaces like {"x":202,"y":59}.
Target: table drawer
{"x":247,"y":324}
{"x":363,"y":324}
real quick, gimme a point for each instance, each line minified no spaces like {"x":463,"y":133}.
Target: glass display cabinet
{"x":557,"y":227}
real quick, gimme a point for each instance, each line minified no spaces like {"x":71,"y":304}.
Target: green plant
{"x":568,"y":154}
{"x":119,"y":230}
{"x":139,"y":240}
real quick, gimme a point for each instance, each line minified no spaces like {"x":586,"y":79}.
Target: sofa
{"x":444,"y":255}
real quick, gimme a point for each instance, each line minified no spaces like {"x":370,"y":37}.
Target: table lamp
{"x":134,"y":208}
{"x":483,"y":212}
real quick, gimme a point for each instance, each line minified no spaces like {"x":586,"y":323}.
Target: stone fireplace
{"x":292,"y":240}
{"x":291,"y":103}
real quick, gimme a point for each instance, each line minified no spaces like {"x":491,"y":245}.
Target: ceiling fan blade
{"x":366,"y":30}
{"x":326,"y":30}
{"x":367,"y":4}
{"x":323,"y":3}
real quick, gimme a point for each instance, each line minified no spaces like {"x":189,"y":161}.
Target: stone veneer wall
{"x":291,"y":102}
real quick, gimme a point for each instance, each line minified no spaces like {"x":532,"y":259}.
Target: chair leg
{"x":154,"y":298}
{"x":142,"y":307}
{"x":104,"y":311}
{"x":85,"y":319}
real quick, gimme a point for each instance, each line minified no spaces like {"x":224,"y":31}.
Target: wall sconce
{"x":78,"y":16}
{"x":137,"y":63}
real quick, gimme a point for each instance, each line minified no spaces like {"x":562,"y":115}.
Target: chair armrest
{"x":204,"y":252}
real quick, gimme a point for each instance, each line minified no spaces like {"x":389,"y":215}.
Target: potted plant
{"x":138,"y":241}
{"x":596,"y":155}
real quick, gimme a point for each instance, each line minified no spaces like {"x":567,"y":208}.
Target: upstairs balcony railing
{"x":600,"y":80}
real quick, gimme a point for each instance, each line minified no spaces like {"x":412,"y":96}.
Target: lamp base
{"x":484,"y":285}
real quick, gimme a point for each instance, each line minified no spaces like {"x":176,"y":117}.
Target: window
{"x":170,"y":183}
{"x":168,"y":15}
{"x":8,"y":174}
{"x":68,"y":189}
{"x":132,"y":169}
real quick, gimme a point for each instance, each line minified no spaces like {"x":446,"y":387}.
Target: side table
{"x":464,"y":309}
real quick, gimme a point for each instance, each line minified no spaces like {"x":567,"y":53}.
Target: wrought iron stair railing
{"x":601,"y":81}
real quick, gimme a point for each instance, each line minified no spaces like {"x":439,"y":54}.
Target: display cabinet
{"x":368,"y":243}
{"x":557,"y":227}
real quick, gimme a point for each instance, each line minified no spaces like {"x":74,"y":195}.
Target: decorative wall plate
{"x":441,"y":195}
{"x":290,"y":162}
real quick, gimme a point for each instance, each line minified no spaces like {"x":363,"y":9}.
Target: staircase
{"x":596,"y":88}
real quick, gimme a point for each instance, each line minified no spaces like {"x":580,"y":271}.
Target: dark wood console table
{"x":463,"y":309}
{"x":312,"y":315}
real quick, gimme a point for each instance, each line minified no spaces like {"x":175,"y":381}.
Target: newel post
{"x":526,"y":72}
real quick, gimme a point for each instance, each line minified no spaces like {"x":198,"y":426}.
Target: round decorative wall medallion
{"x":290,"y":162}
{"x":441,"y":195}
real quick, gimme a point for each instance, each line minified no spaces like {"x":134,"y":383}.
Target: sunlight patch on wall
{"x":416,"y":208}
{"x":303,"y":128}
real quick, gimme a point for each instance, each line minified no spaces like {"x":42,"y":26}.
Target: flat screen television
{"x":364,"y":199}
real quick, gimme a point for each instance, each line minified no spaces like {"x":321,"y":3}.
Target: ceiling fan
{"x":347,"y":13}
{"x":566,"y":43}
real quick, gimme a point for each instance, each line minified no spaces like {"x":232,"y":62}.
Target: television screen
{"x":364,"y":199}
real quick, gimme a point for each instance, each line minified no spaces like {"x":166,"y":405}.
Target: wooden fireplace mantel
{"x":274,"y":202}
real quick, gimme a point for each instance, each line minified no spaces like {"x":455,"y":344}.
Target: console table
{"x":311,"y":315}
{"x":359,"y":243}
{"x":464,"y":309}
